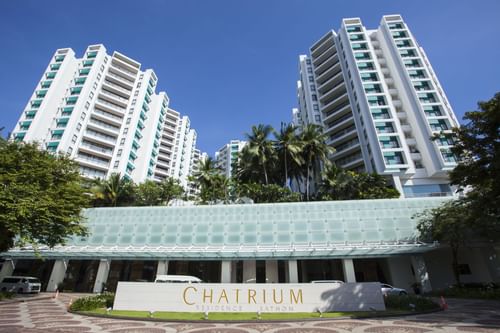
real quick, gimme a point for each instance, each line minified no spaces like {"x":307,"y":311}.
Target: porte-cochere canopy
{"x":328,"y":229}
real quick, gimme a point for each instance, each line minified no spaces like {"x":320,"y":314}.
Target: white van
{"x":20,"y":284}
{"x":177,"y":279}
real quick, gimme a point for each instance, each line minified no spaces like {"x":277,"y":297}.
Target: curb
{"x":95,"y":315}
{"x":23,"y":300}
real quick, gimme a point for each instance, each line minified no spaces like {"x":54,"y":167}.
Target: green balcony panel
{"x":57,"y":132}
{"x":50,"y":75}
{"x":53,"y":144}
{"x":30,"y":114}
{"x":76,"y":90}
{"x":88,"y":63}
{"x":71,"y":100}
{"x":91,"y":54}
{"x":41,"y":93}
{"x":55,"y":67}
{"x":45,"y":84}
{"x":84,"y":71}
{"x":36,"y":103}
{"x":59,"y":58}
{"x":80,"y":80}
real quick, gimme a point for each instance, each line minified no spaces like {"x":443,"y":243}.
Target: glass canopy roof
{"x":328,"y":229}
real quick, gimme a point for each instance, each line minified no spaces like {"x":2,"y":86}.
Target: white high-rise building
{"x":226,"y":156}
{"x":102,"y":110}
{"x":380,"y":102}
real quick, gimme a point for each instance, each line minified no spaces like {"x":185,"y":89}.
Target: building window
{"x":122,"y":141}
{"x":125,"y":131}
{"x":82,"y":117}
{"x":134,"y":101}
{"x":98,"y":76}
{"x":139,"y":84}
{"x":317,"y":118}
{"x":128,"y":120}
{"x":70,"y":150}
{"x":116,"y":164}
{"x":119,"y":153}
{"x":87,"y":105}
{"x":314,"y":97}
{"x":95,"y":85}
{"x":102,"y":68}
{"x":79,"y":127}
{"x":74,"y":138}
{"x":312,"y":87}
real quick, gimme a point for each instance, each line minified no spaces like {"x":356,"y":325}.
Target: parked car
{"x":20,"y":284}
{"x":328,"y":281}
{"x":177,"y":279}
{"x":387,"y":289}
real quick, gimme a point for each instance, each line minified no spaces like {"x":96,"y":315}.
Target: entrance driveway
{"x":49,"y":315}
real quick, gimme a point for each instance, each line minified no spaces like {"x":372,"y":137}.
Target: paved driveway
{"x":49,"y":315}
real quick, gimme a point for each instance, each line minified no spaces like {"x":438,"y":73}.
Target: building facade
{"x":227,"y":156}
{"x":379,"y":101}
{"x":102,"y":110}
{"x":352,"y":241}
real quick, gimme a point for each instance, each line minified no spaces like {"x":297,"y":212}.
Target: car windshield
{"x":33,"y":281}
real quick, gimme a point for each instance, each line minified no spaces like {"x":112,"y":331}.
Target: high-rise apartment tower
{"x":380,"y":102}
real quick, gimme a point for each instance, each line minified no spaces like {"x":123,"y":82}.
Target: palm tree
{"x":288,"y":147}
{"x":337,"y":184}
{"x":315,"y":151}
{"x":261,"y":147}
{"x":206,"y":172}
{"x":114,"y":191}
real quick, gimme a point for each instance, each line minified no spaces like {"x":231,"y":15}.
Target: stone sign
{"x":232,"y":297}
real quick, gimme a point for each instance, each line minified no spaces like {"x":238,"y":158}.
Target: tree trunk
{"x":286,"y":171}
{"x":307,"y":178}
{"x":265,"y":173}
{"x":454,"y":264}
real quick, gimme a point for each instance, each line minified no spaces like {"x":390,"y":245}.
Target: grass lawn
{"x":238,"y":315}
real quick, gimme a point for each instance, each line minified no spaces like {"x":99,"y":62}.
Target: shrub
{"x":409,"y":303}
{"x":6,"y":295}
{"x":104,"y":300}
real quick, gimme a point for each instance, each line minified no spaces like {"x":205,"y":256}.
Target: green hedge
{"x":410,"y":303}
{"x":6,"y":295}
{"x":104,"y":300}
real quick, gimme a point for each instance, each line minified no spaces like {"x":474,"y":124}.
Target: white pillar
{"x":398,"y":185}
{"x":271,"y":271}
{"x":348,"y":267}
{"x":421,"y":274}
{"x":249,"y":271}
{"x":293,"y":273}
{"x":225,"y":271}
{"x":102,"y":275}
{"x":7,"y":268}
{"x":57,"y":274}
{"x":400,"y":272}
{"x":162,"y":268}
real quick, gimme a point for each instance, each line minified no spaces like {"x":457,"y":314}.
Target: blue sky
{"x":231,"y":64}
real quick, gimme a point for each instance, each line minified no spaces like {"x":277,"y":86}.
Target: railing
{"x":108,"y":93}
{"x":114,"y":106}
{"x":114,"y":85}
{"x":107,"y":114}
{"x":95,"y":160}
{"x":103,"y":124}
{"x":104,"y":137}
{"x":121,"y":78}
{"x":97,"y":148}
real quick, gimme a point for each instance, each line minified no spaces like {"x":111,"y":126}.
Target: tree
{"x":449,"y":224}
{"x":41,"y":198}
{"x":148,"y":193}
{"x":288,"y":148}
{"x":315,"y":151}
{"x":261,"y":193}
{"x":477,"y":149}
{"x":212,"y":185}
{"x":340,"y":184}
{"x":261,"y":148}
{"x":114,"y":191}
{"x":170,"y":189}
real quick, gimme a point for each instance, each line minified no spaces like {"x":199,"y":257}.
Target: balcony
{"x":331,"y":61}
{"x":416,"y":156}
{"x":104,"y":127}
{"x":406,"y":128}
{"x":91,"y":162}
{"x":342,"y":136}
{"x":411,"y":141}
{"x":331,"y":83}
{"x":340,"y":123}
{"x":335,"y":103}
{"x":402,"y":115}
{"x":123,"y":73}
{"x":90,"y":148}
{"x":99,"y":138}
{"x":117,"y":79}
{"x":109,"y":117}
{"x":326,"y":98}
{"x":110,"y":107}
{"x":337,"y":112}
{"x":113,"y":98}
